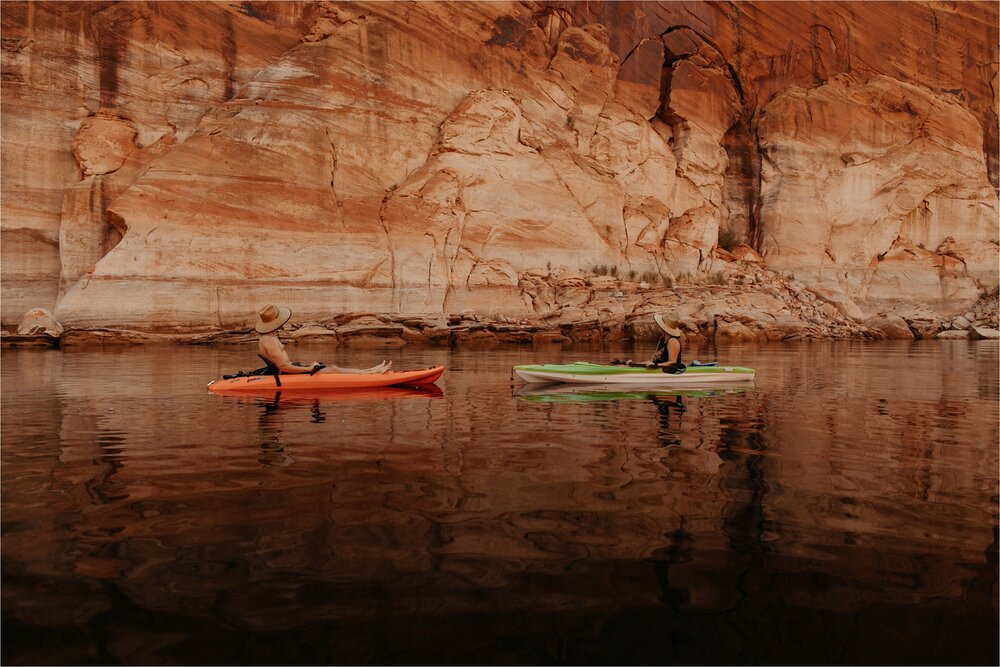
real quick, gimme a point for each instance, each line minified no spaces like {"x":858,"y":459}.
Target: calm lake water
{"x":843,"y":510}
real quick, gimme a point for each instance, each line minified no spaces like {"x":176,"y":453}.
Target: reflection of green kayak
{"x":585,"y":393}
{"x":583,"y":372}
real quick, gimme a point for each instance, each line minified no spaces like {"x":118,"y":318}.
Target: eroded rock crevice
{"x":700,"y":101}
{"x":87,"y":231}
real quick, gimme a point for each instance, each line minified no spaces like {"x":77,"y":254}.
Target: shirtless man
{"x":269,"y":320}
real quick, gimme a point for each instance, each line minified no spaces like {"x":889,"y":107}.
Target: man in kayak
{"x":270,"y":319}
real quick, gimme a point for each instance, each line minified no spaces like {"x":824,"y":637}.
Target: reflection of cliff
{"x":918,"y":430}
{"x":175,"y":163}
{"x":423,"y":530}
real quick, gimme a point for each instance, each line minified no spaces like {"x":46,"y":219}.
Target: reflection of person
{"x":270,"y":319}
{"x":669,"y":432}
{"x":272,"y":452}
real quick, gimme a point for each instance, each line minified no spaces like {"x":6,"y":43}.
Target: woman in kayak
{"x":269,"y":320}
{"x":668,"y":350}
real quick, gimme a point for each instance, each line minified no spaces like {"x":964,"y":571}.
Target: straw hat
{"x":669,"y":323}
{"x":270,"y":317}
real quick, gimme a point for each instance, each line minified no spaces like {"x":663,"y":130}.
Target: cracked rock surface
{"x":169,"y":167}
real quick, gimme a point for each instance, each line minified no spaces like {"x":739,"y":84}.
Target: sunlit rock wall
{"x":92,"y":93}
{"x":170,"y":166}
{"x":898,"y":176}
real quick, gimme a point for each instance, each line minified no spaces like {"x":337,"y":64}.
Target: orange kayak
{"x":310,"y":396}
{"x":324,"y":381}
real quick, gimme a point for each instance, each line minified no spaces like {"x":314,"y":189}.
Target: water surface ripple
{"x":842,"y":510}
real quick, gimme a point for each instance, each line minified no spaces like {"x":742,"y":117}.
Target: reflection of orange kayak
{"x":324,"y":381}
{"x":356,"y":394}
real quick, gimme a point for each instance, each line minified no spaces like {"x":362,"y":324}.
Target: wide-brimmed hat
{"x":669,"y":323}
{"x":271,"y":317}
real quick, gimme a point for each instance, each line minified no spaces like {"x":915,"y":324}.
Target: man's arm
{"x":275,"y":352}
{"x":380,"y":368}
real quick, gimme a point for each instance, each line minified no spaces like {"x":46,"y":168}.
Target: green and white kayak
{"x":583,"y":372}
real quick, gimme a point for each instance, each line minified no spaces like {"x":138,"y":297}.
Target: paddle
{"x":632,"y":364}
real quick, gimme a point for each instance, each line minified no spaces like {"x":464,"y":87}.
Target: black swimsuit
{"x":662,"y":355}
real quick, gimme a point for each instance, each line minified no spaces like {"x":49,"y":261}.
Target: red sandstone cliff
{"x":173,"y":165}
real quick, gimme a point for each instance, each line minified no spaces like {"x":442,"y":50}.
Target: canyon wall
{"x":172,"y":166}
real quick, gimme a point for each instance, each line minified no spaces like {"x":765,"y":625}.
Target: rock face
{"x":898,"y":175}
{"x":171,"y":166}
